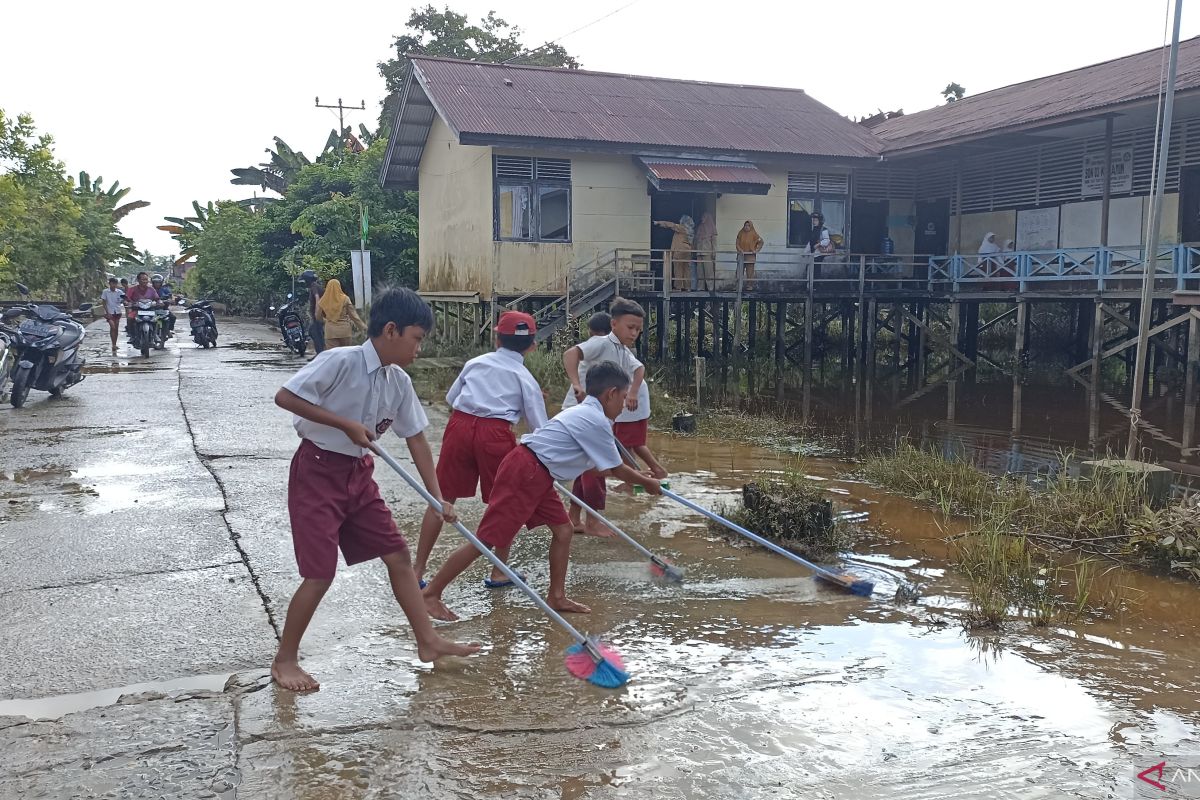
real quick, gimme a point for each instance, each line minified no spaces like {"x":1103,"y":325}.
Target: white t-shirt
{"x":113,"y":301}
{"x":497,"y":385}
{"x":352,"y":383}
{"x":609,"y":348}
{"x":574,"y":441}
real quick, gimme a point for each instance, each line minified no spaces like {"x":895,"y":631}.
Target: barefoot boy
{"x":576,"y":440}
{"x":490,"y":395}
{"x":343,"y":399}
{"x":585,"y":488}
{"x":631,"y":427}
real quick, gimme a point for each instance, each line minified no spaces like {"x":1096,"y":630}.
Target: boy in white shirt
{"x":632,"y":425}
{"x":576,"y":440}
{"x":114,"y":306}
{"x":342,"y":400}
{"x":491,"y":394}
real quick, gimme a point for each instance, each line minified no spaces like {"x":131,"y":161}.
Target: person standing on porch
{"x":748,"y":244}
{"x":680,"y":253}
{"x":706,"y":253}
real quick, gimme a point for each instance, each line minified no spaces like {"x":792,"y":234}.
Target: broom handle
{"x":733,"y":526}
{"x":482,"y":548}
{"x":611,"y":526}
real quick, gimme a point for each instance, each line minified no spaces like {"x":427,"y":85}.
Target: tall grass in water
{"x":1014,"y":555}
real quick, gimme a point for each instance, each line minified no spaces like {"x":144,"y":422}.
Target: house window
{"x":809,"y":192}
{"x":533,"y":199}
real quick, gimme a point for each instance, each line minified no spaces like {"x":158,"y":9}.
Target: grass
{"x":791,"y":511}
{"x":1036,"y":552}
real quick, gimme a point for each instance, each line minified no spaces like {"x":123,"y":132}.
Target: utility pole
{"x":1150,"y":259}
{"x":341,"y":109}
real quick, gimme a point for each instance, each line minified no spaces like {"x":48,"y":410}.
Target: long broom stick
{"x":845,"y":581}
{"x":658,"y":565}
{"x":588,"y":658}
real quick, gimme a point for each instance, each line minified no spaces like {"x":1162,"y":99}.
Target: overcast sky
{"x":167,"y":97}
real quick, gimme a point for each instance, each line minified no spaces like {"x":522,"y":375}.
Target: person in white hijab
{"x":988,"y":247}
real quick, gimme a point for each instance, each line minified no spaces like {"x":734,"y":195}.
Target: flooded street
{"x":144,"y":552}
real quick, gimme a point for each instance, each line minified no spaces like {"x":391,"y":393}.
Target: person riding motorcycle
{"x":165,"y":297}
{"x":141,"y":291}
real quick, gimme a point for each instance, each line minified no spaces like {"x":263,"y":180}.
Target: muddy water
{"x":751,"y":680}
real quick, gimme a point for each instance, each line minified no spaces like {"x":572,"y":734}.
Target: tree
{"x":449,"y":34}
{"x":275,"y":174}
{"x":953,"y":92}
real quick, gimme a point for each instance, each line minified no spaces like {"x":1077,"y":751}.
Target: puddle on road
{"x":60,"y":705}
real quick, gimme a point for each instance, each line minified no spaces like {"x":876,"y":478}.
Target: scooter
{"x":148,"y":327}
{"x":291,"y":326}
{"x":46,"y":349}
{"x":202,"y":321}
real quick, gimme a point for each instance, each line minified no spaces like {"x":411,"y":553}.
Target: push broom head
{"x":848,"y":582}
{"x":596,"y":662}
{"x":661,"y":568}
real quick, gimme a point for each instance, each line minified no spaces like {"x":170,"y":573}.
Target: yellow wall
{"x":455,"y":215}
{"x":768,"y":212}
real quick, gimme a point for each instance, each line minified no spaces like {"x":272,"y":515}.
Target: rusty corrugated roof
{"x":498,"y":102}
{"x":1042,"y":100}
{"x":705,"y":172}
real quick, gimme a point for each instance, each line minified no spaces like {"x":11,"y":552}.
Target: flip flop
{"x":422,"y":584}
{"x":504,"y":583}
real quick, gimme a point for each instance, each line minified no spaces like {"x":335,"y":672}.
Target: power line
{"x":570,"y":33}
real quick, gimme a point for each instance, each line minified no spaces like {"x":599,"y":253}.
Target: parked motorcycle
{"x":46,"y":349}
{"x":7,"y":356}
{"x":149,"y":327}
{"x":291,"y":326}
{"x":203,"y":322}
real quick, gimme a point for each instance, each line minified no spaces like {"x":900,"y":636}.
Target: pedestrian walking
{"x":337,"y":312}
{"x":113,"y":300}
{"x":316,"y":328}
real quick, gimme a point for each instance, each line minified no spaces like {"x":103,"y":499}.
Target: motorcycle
{"x":7,"y":354}
{"x":291,"y":326}
{"x":46,"y":349}
{"x":203,"y":322}
{"x":149,"y":326}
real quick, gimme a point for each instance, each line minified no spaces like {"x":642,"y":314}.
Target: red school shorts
{"x":472,"y":449}
{"x":591,"y":489}
{"x":524,"y":495}
{"x":333,"y":502}
{"x":632,"y":434}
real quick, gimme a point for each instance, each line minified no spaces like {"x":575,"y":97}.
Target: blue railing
{"x":1100,"y":266}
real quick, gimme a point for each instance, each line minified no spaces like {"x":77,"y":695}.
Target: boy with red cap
{"x":490,"y":395}
{"x":578,"y":439}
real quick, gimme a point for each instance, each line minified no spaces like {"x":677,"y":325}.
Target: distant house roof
{"x":501,"y":104}
{"x":1056,"y":98}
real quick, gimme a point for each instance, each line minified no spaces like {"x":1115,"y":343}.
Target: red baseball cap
{"x":516,"y":323}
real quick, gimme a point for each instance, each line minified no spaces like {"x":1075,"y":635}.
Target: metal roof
{"x":1084,"y":92}
{"x":705,"y":171}
{"x":496,"y":102}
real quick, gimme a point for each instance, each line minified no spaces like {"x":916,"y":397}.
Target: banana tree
{"x":275,"y":174}
{"x":186,"y":230}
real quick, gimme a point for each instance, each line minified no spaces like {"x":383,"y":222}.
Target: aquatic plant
{"x":791,"y":511}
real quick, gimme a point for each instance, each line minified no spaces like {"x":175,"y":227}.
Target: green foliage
{"x":790,"y":511}
{"x":953,"y":92}
{"x":57,"y":237}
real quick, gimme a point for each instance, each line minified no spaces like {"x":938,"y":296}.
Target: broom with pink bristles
{"x":589,"y":658}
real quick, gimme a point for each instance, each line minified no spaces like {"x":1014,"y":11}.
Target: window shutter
{"x":553,"y":169}
{"x":802,"y":182}
{"x":835,"y":184}
{"x":514,"y":167}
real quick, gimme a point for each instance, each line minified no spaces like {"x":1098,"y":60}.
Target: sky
{"x":168,"y":97}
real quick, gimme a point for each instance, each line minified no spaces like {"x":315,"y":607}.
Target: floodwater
{"x":749,"y":680}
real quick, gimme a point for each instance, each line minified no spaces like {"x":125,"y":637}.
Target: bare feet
{"x":439,"y":647}
{"x":289,"y":675}
{"x":568,"y":606}
{"x":437,"y":609}
{"x":594,"y":527}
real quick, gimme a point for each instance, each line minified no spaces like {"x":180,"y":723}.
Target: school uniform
{"x":333,"y":500}
{"x":575,"y":441}
{"x":631,"y":427}
{"x":490,"y":395}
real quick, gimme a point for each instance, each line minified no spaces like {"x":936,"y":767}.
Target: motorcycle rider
{"x":141,"y":291}
{"x":165,"y":297}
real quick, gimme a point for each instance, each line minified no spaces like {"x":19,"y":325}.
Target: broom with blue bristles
{"x":589,"y":658}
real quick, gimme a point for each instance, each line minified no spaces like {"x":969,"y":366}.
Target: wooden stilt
{"x":780,"y":342}
{"x":1189,"y":383}
{"x":1019,"y":367}
{"x":952,"y":384}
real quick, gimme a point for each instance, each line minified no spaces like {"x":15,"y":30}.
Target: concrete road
{"x":146,"y":564}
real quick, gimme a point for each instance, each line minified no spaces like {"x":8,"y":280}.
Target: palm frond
{"x":121,"y":212}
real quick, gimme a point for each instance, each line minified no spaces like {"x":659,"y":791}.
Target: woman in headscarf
{"x":681,"y":250}
{"x":706,"y":253}
{"x":988,"y":247}
{"x":337,"y":312}
{"x":748,"y":244}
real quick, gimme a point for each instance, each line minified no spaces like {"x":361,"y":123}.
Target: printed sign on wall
{"x":1121,"y":176}
{"x":1037,"y":229}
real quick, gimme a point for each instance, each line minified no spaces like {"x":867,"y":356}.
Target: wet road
{"x":144,"y":551}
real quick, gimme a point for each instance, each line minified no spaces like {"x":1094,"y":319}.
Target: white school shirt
{"x":497,"y":385}
{"x":599,"y":349}
{"x":113,"y":301}
{"x":576,"y":440}
{"x":352,"y":383}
